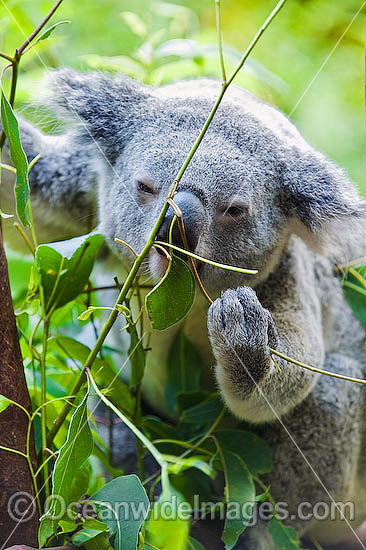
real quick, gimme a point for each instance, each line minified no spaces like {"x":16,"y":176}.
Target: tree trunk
{"x":16,"y":488}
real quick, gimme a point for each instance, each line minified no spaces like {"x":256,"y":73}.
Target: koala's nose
{"x":193,"y":217}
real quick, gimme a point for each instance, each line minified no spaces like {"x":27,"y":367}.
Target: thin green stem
{"x":15,"y":451}
{"x":354,"y":287}
{"x":20,"y":407}
{"x":211,"y":429}
{"x":38,"y":29}
{"x":7,"y":167}
{"x":57,"y":280}
{"x":43,"y":402}
{"x":49,"y":403}
{"x":185,"y":444}
{"x":219,"y":40}
{"x":39,"y":470}
{"x":314,"y":369}
{"x":7,"y":57}
{"x":30,"y":466}
{"x":25,"y":237}
{"x":207,"y":261}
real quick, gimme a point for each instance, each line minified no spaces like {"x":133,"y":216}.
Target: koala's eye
{"x":234,"y":211}
{"x":144,"y":188}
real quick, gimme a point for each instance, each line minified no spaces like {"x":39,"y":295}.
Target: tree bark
{"x":15,"y":476}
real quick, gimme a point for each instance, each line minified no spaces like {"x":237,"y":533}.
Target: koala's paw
{"x":241,"y":331}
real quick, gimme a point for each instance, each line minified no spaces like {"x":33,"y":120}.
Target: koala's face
{"x":252,"y":181}
{"x":228,"y":194}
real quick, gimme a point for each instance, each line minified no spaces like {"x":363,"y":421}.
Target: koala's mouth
{"x":158,"y":262}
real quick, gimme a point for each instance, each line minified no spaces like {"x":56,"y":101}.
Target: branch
{"x":38,"y":29}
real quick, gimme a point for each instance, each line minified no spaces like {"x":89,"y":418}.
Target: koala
{"x":255,"y":195}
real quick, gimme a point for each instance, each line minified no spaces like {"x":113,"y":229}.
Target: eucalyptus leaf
{"x":47,"y":33}
{"x":240,"y":497}
{"x":122,"y":504}
{"x":254,"y":451}
{"x":193,"y":544}
{"x":64,"y":268}
{"x":184,"y":370}
{"x":46,"y":529}
{"x":285,"y":538}
{"x":100,"y":542}
{"x":4,"y":403}
{"x":85,"y":535}
{"x":136,"y":354}
{"x":11,"y":129}
{"x":166,"y":529}
{"x":181,"y":464}
{"x":354,"y":287}
{"x":204,"y":412}
{"x":75,"y":451}
{"x":135,"y":23}
{"x":171,"y":299}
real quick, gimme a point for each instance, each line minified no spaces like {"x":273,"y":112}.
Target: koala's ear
{"x":104,"y":103}
{"x":317,"y":193}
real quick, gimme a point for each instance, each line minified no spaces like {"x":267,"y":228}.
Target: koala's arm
{"x":242,"y":330}
{"x":63,"y":185}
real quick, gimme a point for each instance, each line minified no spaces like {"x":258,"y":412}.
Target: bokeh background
{"x":310,"y":63}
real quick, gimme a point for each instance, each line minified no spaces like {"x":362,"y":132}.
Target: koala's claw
{"x":241,"y":330}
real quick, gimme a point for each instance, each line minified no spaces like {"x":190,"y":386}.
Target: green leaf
{"x":4,"y":403}
{"x":171,"y":299}
{"x":240,"y":497}
{"x":70,"y":348}
{"x":64,"y":268}
{"x":181,"y":464}
{"x":80,"y":483}
{"x":85,"y":535}
{"x":100,"y":542}
{"x":193,"y":544}
{"x":254,"y":451}
{"x":136,"y":354}
{"x":184,"y":370}
{"x":76,"y":449}
{"x":354,"y":287}
{"x":135,"y":23}
{"x":45,"y":531}
{"x":11,"y":129}
{"x":91,"y":523}
{"x":285,"y":538}
{"x":123,"y":521}
{"x":86,"y":314}
{"x":67,"y":525}
{"x":204,"y":412}
{"x":166,"y":529}
{"x":46,"y":34}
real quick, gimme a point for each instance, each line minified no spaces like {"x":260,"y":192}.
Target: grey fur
{"x":299,"y":213}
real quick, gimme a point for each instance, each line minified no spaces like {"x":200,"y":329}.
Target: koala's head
{"x":252,"y":182}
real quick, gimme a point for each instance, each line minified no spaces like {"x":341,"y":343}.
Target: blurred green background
{"x":162,"y":41}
